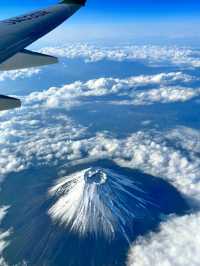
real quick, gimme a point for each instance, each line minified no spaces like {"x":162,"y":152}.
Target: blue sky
{"x":122,"y":10}
{"x":138,"y":19}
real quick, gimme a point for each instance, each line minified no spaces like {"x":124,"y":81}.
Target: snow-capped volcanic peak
{"x":97,"y":201}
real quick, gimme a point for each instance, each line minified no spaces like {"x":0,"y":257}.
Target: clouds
{"x":165,"y":95}
{"x":177,"y":244}
{"x":41,"y":130}
{"x":186,"y":139}
{"x":15,"y":74}
{"x":152,"y":154}
{"x":133,"y":91}
{"x":3,"y":235}
{"x":149,"y":54}
{"x":34,"y":133}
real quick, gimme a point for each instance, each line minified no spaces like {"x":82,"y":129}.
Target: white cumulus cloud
{"x":165,"y":95}
{"x":73,"y":94}
{"x":21,"y":73}
{"x":177,"y":244}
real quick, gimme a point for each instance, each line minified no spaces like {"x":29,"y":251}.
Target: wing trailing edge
{"x":27,"y":59}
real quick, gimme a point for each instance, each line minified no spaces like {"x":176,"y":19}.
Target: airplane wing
{"x":19,"y":32}
{"x":7,"y":103}
{"x":26,"y":59}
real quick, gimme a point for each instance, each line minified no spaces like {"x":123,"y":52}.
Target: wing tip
{"x":8,"y":103}
{"x":28,"y":59}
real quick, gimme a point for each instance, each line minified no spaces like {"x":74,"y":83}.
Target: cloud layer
{"x":133,"y":91}
{"x":148,"y":54}
{"x":42,"y":131}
